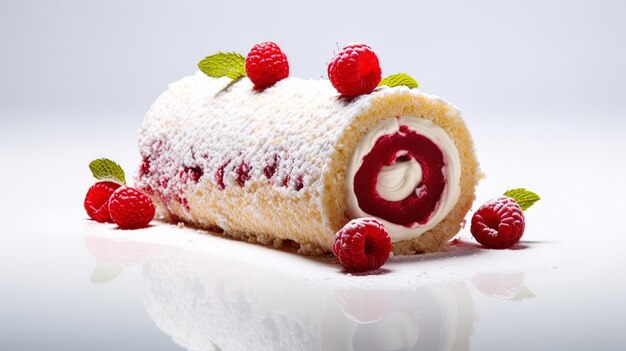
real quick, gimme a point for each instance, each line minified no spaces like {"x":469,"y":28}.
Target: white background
{"x":540,"y":83}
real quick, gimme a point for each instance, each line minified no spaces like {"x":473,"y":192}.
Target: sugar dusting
{"x":203,"y":136}
{"x":194,"y":125}
{"x":462,"y":259}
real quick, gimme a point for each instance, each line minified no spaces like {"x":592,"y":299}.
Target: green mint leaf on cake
{"x":399,"y":79}
{"x":524,"y":198}
{"x":104,"y":169}
{"x":224,"y":64}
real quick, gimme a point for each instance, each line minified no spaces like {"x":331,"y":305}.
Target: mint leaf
{"x":398,"y":79}
{"x":224,"y":64}
{"x":105,"y":169}
{"x":524,"y":198}
{"x":524,"y":293}
{"x":105,"y":272}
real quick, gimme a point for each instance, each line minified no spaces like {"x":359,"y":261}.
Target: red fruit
{"x":355,"y":70}
{"x":130,"y":208}
{"x":266,"y":64}
{"x":362,"y":245}
{"x":498,"y":224}
{"x":97,"y":201}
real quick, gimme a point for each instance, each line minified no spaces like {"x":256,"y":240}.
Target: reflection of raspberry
{"x":498,"y":224}
{"x":131,"y":209}
{"x":266,"y":64}
{"x":362,"y":245}
{"x":355,"y":70}
{"x":126,"y":253}
{"x":505,"y":286}
{"x":97,"y":201}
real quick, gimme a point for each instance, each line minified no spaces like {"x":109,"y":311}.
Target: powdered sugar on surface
{"x":460,"y":262}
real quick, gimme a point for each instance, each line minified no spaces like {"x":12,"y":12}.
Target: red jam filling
{"x":243,"y":174}
{"x":219,"y":176}
{"x":270,"y":166}
{"x":418,"y":206}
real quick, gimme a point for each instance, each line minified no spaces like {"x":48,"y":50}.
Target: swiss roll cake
{"x":291,"y":164}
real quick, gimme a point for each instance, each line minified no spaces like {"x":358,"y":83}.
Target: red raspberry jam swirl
{"x":417,"y":164}
{"x":419,"y":205}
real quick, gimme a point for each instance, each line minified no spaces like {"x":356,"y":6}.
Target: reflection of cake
{"x":210,"y":303}
{"x":295,"y":162}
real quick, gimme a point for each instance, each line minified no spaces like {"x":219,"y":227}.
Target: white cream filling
{"x":398,"y":181}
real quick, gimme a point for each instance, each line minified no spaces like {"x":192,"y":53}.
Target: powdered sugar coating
{"x":248,"y":133}
{"x":220,"y":156}
{"x":197,"y":107}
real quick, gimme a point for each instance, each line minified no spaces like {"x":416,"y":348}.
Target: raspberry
{"x":130,"y":208}
{"x":362,"y":245}
{"x":498,"y":224}
{"x":97,"y":201}
{"x":355,"y":70}
{"x":266,"y":64}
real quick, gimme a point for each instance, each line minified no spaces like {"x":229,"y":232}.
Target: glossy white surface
{"x":540,"y":84}
{"x":76,"y":284}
